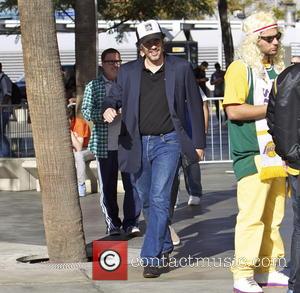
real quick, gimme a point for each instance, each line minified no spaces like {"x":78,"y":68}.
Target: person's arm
{"x":92,"y":101}
{"x":114,"y":98}
{"x":77,"y":141}
{"x":113,"y":101}
{"x":236,"y":93}
{"x":200,"y":78}
{"x":195,"y":109}
{"x":79,"y":132}
{"x":203,"y":79}
{"x":245,"y":111}
{"x":217,"y":81}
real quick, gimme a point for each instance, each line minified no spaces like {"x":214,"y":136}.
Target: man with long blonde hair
{"x":259,"y":170}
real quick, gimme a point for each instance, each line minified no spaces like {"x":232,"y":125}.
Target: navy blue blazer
{"x":182,"y":93}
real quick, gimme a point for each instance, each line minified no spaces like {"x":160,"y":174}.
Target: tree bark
{"x":86,"y":44}
{"x":226,"y":32}
{"x":46,"y":97}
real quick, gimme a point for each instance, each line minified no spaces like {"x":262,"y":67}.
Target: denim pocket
{"x":170,"y":138}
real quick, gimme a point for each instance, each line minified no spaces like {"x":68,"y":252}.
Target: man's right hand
{"x":200,"y":153}
{"x":109,"y":115}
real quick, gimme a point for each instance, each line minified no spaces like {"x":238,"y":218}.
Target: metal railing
{"x":16,"y":139}
{"x":217,"y":139}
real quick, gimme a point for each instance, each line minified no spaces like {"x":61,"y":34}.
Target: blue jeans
{"x":192,"y":178}
{"x":4,"y":143}
{"x":294,"y":281}
{"x":153,"y":183}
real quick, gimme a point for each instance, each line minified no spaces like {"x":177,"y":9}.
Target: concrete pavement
{"x":206,"y":232}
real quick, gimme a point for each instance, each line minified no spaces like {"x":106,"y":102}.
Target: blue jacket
{"x":182,"y":93}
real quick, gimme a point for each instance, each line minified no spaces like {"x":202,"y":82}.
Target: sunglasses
{"x":113,"y":62}
{"x":270,"y":39}
{"x":152,"y":42}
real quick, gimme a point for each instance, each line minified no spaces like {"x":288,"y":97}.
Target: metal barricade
{"x":16,"y":139}
{"x":217,"y":139}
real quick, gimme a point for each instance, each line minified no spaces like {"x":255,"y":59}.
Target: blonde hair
{"x":249,"y":51}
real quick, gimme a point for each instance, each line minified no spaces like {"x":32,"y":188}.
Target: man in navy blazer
{"x":153,"y":94}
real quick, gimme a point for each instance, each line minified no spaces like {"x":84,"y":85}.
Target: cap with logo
{"x":148,"y":30}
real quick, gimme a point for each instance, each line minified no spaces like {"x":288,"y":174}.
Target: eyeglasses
{"x":270,"y":39}
{"x":113,"y":62}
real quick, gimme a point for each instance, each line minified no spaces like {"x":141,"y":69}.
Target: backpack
{"x":16,"y":96}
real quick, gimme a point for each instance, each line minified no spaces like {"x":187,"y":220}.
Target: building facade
{"x":206,"y":33}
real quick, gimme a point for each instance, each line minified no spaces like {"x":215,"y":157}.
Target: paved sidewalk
{"x":206,"y":232}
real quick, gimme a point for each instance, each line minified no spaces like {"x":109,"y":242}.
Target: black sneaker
{"x":151,"y":272}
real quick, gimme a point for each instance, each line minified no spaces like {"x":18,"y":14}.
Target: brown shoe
{"x":151,"y":272}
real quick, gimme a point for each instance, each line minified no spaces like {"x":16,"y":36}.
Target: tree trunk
{"x":226,"y":32}
{"x":45,"y":90}
{"x":86,"y":44}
